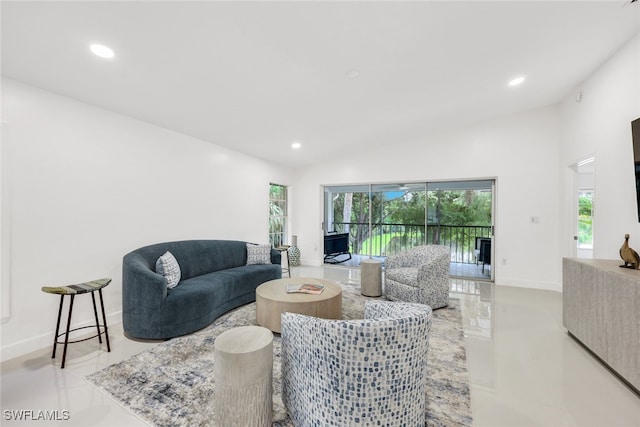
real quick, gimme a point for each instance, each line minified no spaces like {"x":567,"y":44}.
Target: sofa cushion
{"x":406,"y":275}
{"x":248,"y":277}
{"x":215,"y":288}
{"x":167,"y":265}
{"x":258,"y":254}
{"x":187,"y":300}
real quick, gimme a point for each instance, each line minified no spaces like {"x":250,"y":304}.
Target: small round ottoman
{"x":243,"y":372}
{"x":371,"y":278}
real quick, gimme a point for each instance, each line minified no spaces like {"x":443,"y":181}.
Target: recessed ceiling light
{"x":102,"y":51}
{"x":353,"y":73}
{"x":517,"y":81}
{"x":295,"y":145}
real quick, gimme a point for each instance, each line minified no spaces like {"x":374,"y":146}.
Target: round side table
{"x":72,"y":291}
{"x":243,"y":371}
{"x":371,"y":278}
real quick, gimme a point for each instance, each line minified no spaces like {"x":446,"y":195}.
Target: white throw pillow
{"x":258,"y":254}
{"x":167,"y":265}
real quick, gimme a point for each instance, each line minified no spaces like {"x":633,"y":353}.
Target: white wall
{"x":600,"y":124}
{"x":5,"y":306}
{"x":86,"y":186}
{"x":520,"y":151}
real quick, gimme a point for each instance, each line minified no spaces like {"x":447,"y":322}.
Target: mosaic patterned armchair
{"x":420,"y":275}
{"x":370,"y":371}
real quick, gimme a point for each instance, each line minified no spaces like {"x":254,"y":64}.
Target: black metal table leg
{"x":104,"y":319}
{"x":95,"y":313}
{"x":66,"y":336}
{"x":288,"y":264}
{"x":55,"y":337}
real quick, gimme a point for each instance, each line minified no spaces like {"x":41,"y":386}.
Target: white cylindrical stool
{"x":243,"y":372}
{"x":371,"y":278}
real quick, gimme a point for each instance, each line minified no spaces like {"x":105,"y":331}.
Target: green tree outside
{"x":398,"y":218}
{"x":585,"y":219}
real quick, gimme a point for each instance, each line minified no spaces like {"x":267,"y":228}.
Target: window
{"x":277,"y":214}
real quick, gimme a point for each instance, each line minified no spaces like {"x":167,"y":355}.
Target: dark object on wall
{"x":334,"y":246}
{"x":635,"y":135}
{"x":628,"y":255}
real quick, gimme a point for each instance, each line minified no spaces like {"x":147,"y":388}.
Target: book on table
{"x":305,"y":288}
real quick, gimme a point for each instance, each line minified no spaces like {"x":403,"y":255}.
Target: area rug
{"x":172,"y":383}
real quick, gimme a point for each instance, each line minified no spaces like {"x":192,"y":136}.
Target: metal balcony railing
{"x":389,"y":239}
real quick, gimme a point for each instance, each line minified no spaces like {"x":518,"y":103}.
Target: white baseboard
{"x":43,"y":341}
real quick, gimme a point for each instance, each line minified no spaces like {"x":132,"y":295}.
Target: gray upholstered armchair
{"x":420,"y":275}
{"x":369,"y":371}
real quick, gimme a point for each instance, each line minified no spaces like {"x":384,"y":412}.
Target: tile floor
{"x":524,"y":369}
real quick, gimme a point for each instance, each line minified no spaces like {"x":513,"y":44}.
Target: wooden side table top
{"x":272,"y":300}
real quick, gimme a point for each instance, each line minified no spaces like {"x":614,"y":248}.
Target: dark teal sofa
{"x":214,"y":280}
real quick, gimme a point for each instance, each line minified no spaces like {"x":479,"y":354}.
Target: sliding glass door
{"x":460,"y":215}
{"x":381,"y":219}
{"x":385,"y":219}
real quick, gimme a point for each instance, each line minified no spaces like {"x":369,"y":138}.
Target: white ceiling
{"x":255,"y":76}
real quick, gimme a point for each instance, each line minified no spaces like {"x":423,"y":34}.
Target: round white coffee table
{"x":272,"y":300}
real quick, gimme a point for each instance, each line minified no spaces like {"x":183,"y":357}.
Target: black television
{"x":635,"y":135}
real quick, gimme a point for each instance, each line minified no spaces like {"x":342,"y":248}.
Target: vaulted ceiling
{"x":336,"y":76}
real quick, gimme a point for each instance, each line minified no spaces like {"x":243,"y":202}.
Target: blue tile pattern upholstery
{"x":420,"y":275}
{"x":369,"y":372}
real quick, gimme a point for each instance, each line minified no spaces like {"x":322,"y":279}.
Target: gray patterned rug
{"x":172,"y":383}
